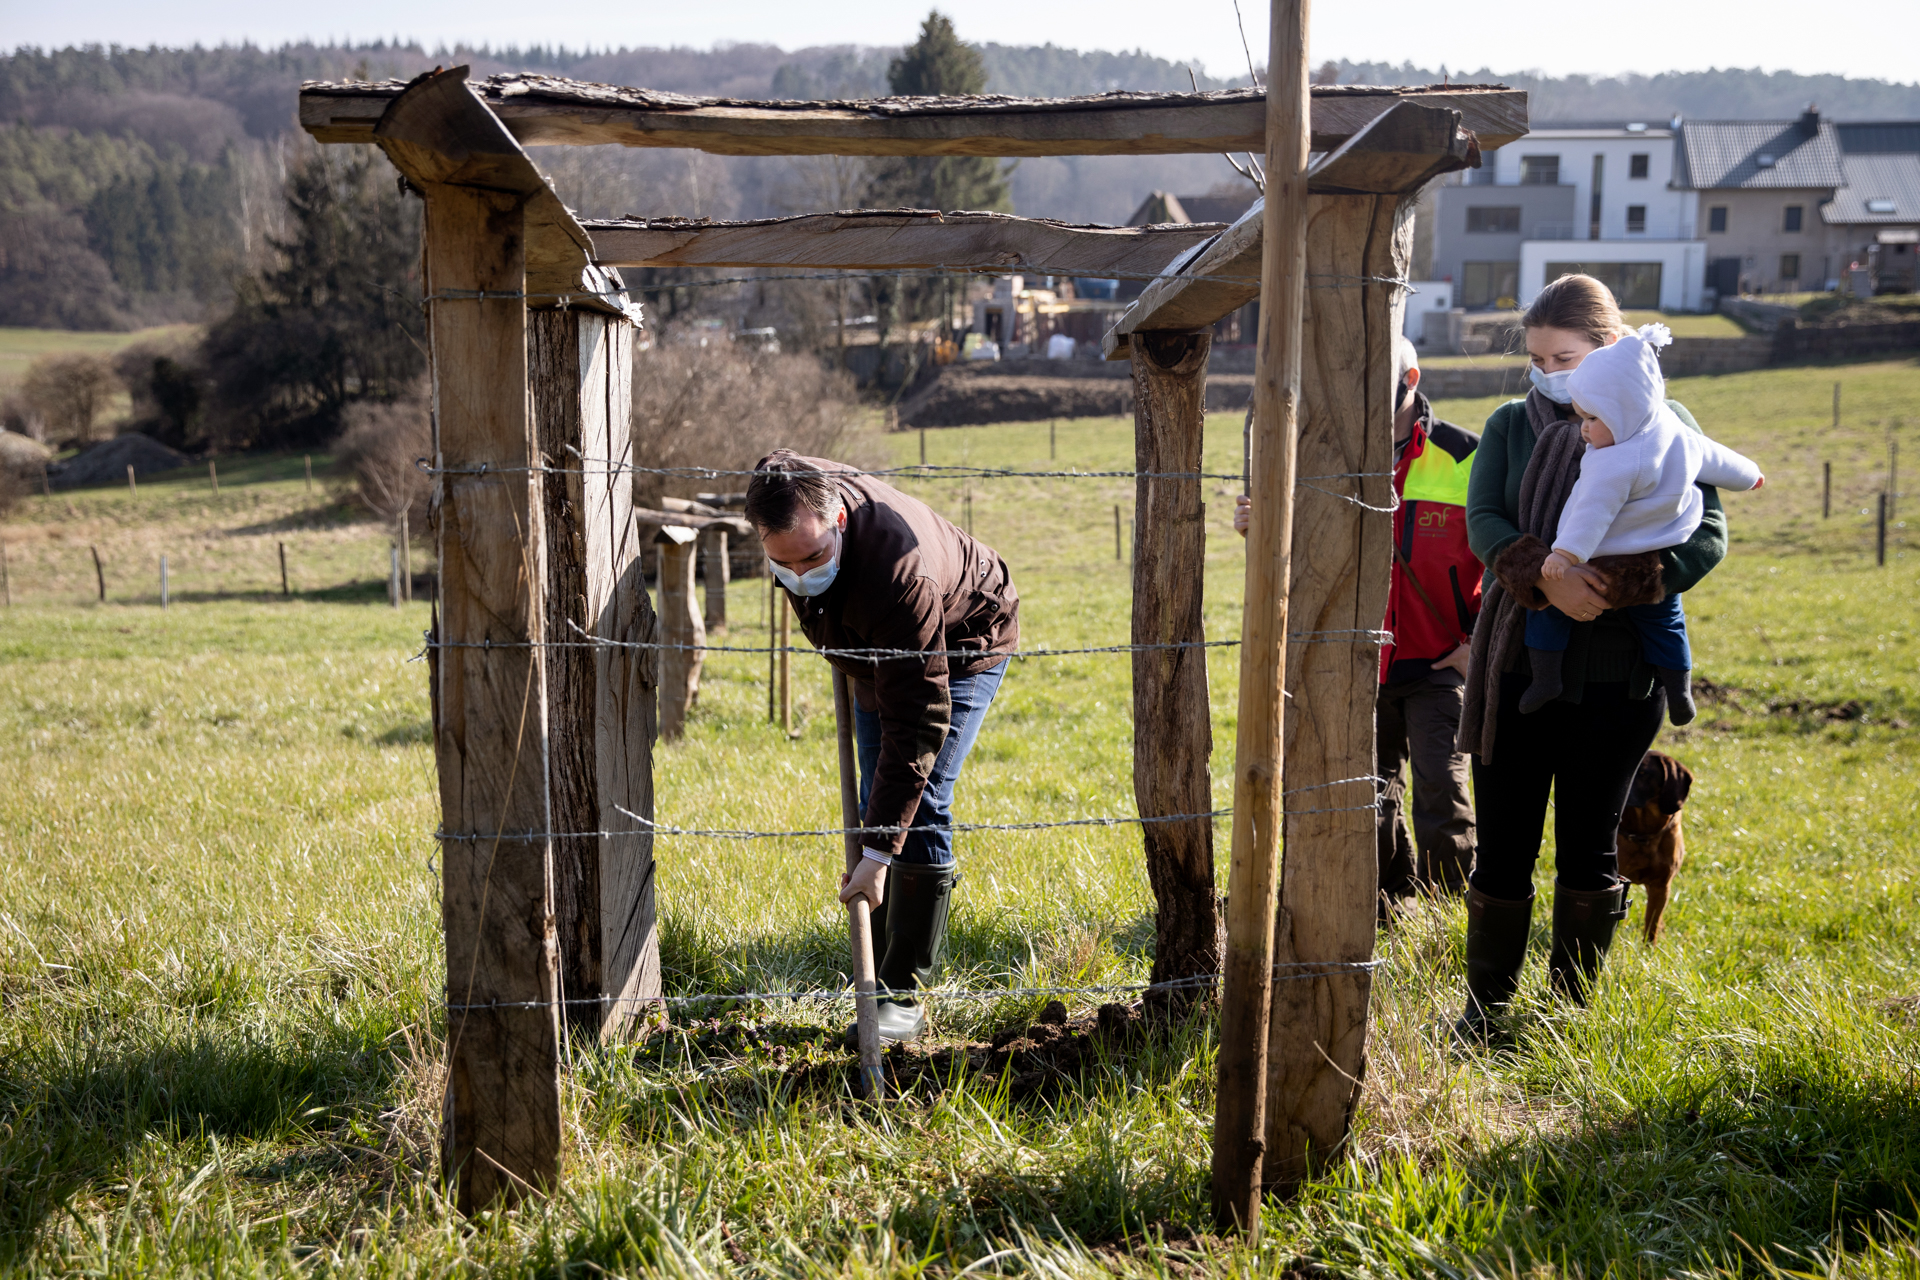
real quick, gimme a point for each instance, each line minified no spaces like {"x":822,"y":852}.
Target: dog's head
{"x":1661,"y":780}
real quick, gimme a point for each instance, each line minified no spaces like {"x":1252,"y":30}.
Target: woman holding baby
{"x":1592,"y":521}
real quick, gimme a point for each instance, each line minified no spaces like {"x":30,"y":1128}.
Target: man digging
{"x":868,"y":567}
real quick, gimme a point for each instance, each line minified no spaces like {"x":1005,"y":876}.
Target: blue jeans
{"x":1662,"y":628}
{"x":972,"y":696}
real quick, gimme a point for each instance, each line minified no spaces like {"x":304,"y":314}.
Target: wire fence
{"x":1286,"y":971}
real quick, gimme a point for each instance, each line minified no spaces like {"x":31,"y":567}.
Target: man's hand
{"x":1242,"y":514}
{"x":1579,"y":595}
{"x":869,"y":881}
{"x":1455,"y":661}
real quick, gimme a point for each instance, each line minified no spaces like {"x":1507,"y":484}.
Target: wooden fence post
{"x":713,"y":562}
{"x":1240,"y":1116}
{"x":602,"y":715}
{"x":502,"y":1115}
{"x":1172,"y":732}
{"x":1338,"y":597}
{"x":680,"y":624}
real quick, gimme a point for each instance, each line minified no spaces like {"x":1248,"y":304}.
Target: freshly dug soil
{"x":107,"y":463}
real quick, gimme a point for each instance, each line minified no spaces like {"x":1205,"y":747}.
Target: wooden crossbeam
{"x":545,"y":110}
{"x":1399,"y":152}
{"x":898,"y":239}
{"x":438,"y":131}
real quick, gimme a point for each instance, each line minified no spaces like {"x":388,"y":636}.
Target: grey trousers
{"x":1415,"y":724}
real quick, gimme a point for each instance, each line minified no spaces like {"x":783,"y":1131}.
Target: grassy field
{"x":219,"y":954}
{"x":21,"y":347}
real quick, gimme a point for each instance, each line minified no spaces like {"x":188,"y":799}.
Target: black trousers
{"x":1586,"y":755}
{"x":1415,"y":724}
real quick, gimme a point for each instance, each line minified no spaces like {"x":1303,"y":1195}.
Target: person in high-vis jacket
{"x":866,"y":566}
{"x":1432,"y":602}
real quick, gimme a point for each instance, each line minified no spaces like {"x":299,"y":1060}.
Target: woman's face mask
{"x":815,"y":580}
{"x":1552,"y":385}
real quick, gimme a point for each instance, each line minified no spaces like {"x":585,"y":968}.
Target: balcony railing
{"x":1552,"y":231}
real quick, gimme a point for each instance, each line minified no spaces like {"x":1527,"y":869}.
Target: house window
{"x":1482,"y":284}
{"x":1793,"y":217}
{"x":1717,"y":218}
{"x":1789,"y":266}
{"x":1539,"y":171}
{"x":1880,"y":205}
{"x":1636,"y":218}
{"x":1637,"y":164}
{"x":1494,"y":218}
{"x":1634,"y":285}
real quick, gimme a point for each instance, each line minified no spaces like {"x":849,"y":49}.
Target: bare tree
{"x":380,"y":448}
{"x":69,"y":393}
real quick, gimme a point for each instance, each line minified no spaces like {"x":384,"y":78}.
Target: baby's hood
{"x":1622,"y":384}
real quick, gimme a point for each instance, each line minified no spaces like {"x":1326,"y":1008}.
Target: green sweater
{"x":1608,"y":649}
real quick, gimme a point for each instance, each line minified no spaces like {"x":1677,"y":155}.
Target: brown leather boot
{"x":1583,"y":924}
{"x":1496,"y":948}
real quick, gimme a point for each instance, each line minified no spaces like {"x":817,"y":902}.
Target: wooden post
{"x":99,"y":574}
{"x":309,"y":473}
{"x":501,"y":1135}
{"x":406,"y":561}
{"x":1836,"y":404}
{"x":1116,"y":533}
{"x":1826,"y":490}
{"x":773,"y":658}
{"x":1240,"y":1117}
{"x":133,"y":490}
{"x":680,"y":624}
{"x":163,"y":579}
{"x":1880,"y":532}
{"x":393,"y":575}
{"x":600,"y":698}
{"x":1172,"y":732}
{"x":213,"y":477}
{"x":786,"y":668}
{"x":283,"y":570}
{"x":1053,"y":441}
{"x":866,"y":1013}
{"x":923,"y":446}
{"x":1893,"y":478}
{"x":1338,"y":594}
{"x":713,"y":553}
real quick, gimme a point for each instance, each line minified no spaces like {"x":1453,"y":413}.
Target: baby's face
{"x":1592,"y":430}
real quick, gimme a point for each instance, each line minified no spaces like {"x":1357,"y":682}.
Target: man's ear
{"x":1413,"y":378}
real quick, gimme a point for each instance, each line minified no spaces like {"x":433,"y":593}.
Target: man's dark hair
{"x":782,"y":488}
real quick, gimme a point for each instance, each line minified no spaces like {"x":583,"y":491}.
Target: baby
{"x":1636,"y":493}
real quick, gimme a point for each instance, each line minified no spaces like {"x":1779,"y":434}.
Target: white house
{"x":1598,"y":200}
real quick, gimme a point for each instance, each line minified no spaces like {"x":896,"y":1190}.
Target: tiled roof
{"x":1879,"y":137}
{"x":1716,"y":153}
{"x":1876,"y":176}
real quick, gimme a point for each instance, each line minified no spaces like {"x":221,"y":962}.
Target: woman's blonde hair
{"x":1579,"y":304}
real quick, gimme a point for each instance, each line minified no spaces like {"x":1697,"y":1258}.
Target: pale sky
{"x":1867,"y":38}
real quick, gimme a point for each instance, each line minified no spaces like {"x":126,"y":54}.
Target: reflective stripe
{"x":1434,"y":476}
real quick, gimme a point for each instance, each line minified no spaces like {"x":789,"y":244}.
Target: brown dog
{"x":1650,"y":846}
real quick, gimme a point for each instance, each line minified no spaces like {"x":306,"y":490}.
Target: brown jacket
{"x":908,"y":580}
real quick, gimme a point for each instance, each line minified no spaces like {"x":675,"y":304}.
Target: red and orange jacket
{"x":1435,"y":595}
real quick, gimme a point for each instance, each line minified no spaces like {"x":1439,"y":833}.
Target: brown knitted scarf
{"x":1551,"y":471}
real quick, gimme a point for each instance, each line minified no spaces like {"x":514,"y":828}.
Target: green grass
{"x":19,"y":348}
{"x":219,"y":952}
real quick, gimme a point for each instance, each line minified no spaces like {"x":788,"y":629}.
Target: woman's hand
{"x":1242,"y":514}
{"x":869,"y":881}
{"x":1581,"y":594}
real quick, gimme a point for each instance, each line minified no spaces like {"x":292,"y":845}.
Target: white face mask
{"x":1552,"y":385}
{"x":815,"y":580}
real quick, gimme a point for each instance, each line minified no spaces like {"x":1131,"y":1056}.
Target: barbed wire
{"x":649,"y":827}
{"x":1282,"y":972}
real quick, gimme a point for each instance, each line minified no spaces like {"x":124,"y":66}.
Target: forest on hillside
{"x":139,"y":186}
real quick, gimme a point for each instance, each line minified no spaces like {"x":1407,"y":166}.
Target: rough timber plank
{"x":543,"y":110}
{"x":1172,"y":733}
{"x":1398,"y":152}
{"x":502,"y":1117}
{"x":897,"y":240}
{"x":601,"y":724}
{"x":1341,"y":562}
{"x":436,"y":129}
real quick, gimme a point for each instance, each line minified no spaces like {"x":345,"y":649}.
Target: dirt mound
{"x":107,"y":463}
{"x":960,"y":400}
